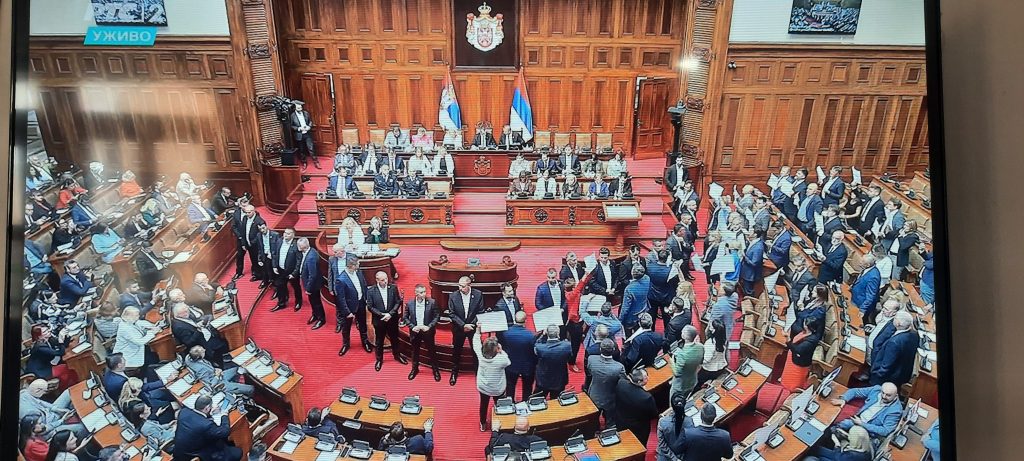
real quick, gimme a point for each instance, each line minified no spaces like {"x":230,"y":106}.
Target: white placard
{"x":715,"y":190}
{"x":545,"y":317}
{"x":492,"y":321}
{"x":592,"y":302}
{"x":723,"y":264}
{"x":857,"y":177}
{"x":821,"y":174}
{"x":773,"y":181}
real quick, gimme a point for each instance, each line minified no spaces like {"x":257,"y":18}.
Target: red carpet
{"x":314,"y":354}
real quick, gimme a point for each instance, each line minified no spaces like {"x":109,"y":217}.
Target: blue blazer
{"x":114,"y":382}
{"x":552,"y":356}
{"x":883,"y":336}
{"x":634,"y":301}
{"x":662,"y":290}
{"x":813,"y":207}
{"x":310,"y":273}
{"x":834,"y":193}
{"x":752,"y":264}
{"x":865,"y":291}
{"x":542,"y":299}
{"x":79,"y":216}
{"x":73,"y":288}
{"x":831,"y":269}
{"x":885,"y":421}
{"x":420,"y":444}
{"x":644,"y":348}
{"x":894,"y":361}
{"x":198,"y":435}
{"x":332,"y":184}
{"x":779,"y":252}
{"x":33,"y":247}
{"x":347,"y":298}
{"x":518,"y":343}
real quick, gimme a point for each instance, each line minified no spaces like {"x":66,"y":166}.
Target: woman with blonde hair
{"x":350,"y":235}
{"x":151,"y":213}
{"x":376,"y":233}
{"x":685,"y":290}
{"x":712,"y":243}
{"x":856,"y":447}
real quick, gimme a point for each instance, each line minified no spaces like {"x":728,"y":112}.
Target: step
{"x":468,"y":244}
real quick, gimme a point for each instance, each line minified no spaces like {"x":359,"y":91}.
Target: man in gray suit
{"x":53,"y":414}
{"x":605,"y":372}
{"x":552,"y":356}
{"x":213,"y":376}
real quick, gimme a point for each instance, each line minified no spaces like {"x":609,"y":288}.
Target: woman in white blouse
{"x":616,"y":165}
{"x":715,"y":347}
{"x":350,"y":235}
{"x":132,"y":339}
{"x":490,"y":373}
{"x":186,"y":187}
{"x":518,"y":165}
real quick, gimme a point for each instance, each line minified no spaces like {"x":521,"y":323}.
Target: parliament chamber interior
{"x":561,"y":229}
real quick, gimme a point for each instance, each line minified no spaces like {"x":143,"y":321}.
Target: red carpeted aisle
{"x":314,"y":353}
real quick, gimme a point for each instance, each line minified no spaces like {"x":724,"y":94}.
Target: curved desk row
{"x":357,"y":421}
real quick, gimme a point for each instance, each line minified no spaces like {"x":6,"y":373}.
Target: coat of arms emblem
{"x":482,"y":166}
{"x":484,"y":32}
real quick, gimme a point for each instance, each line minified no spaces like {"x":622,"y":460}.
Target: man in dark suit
{"x":197,"y":436}
{"x":872,"y":211}
{"x":603,"y":281}
{"x":864,"y":293}
{"x":134,"y":296}
{"x":682,"y":315}
{"x":706,"y":442}
{"x":340,"y":184}
{"x":568,"y":162}
{"x":831,"y":223}
{"x":483,"y":138}
{"x":463,"y":306}
{"x":809,"y":206}
{"x":518,"y":342}
{"x":201,"y":294}
{"x":572,"y":268}
{"x":762,"y":216}
{"x":350,"y":294}
{"x":302,"y":129}
{"x":891,"y":223}
{"x":149,"y":266}
{"x":519,"y":441}
{"x":312,"y":282}
{"x":337,"y":264}
{"x":244,"y":225}
{"x":625,"y":267}
{"x":553,"y":354}
{"x":510,"y":139}
{"x":551,"y":293}
{"x":385,"y":183}
{"x":681,"y":242}
{"x":189,"y":332}
{"x":222,"y":201}
{"x":894,"y":360}
{"x":644,"y":345}
{"x":393,"y":162}
{"x":509,"y":303}
{"x":782,"y":240}
{"x":266,"y":242}
{"x":285,"y":263}
{"x":635,"y":407}
{"x":833,"y":188}
{"x":675,"y":176}
{"x":752,"y":263}
{"x":621,"y":186}
{"x":384,"y":301}
{"x":831,"y":270}
{"x":421,"y":316}
{"x":74,"y":284}
{"x":114,"y":377}
{"x":799,"y":279}
{"x":545,"y":163}
{"x":799,"y":192}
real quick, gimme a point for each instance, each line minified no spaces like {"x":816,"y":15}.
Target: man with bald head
{"x":893,"y":360}
{"x":831,"y":270}
{"x":879,"y":415}
{"x":247,"y":229}
{"x":864,"y":292}
{"x":553,"y":354}
{"x":53,"y":414}
{"x":384,"y":300}
{"x":518,"y":343}
{"x":284,"y":268}
{"x":202,"y":293}
{"x":463,"y":306}
{"x":519,"y":440}
{"x":884,"y":327}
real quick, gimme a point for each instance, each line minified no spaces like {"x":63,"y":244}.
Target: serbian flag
{"x":449,"y":116}
{"x":521,"y":115}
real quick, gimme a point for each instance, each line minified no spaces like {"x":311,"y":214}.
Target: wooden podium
{"x":621,"y":214}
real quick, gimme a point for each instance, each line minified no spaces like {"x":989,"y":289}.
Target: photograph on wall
{"x":824,"y":17}
{"x":129,"y":13}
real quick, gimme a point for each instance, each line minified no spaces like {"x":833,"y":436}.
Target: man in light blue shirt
{"x":605,"y":318}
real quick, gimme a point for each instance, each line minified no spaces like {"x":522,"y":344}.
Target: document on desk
{"x":165,"y":371}
{"x":760,"y":368}
{"x":288,"y":447}
{"x":545,"y":317}
{"x":179,"y":387}
{"x":224,"y":320}
{"x":857,"y":342}
{"x":243,"y":358}
{"x":277,"y":383}
{"x":181,"y":257}
{"x":190,"y":401}
{"x":95,"y":420}
{"x":328,"y":455}
{"x":818,"y":424}
{"x":492,"y":321}
{"x":81,"y":347}
{"x":259,"y":370}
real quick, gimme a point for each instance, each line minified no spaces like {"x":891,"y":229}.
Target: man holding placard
{"x":552,"y":355}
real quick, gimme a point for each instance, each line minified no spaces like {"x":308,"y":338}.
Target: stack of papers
{"x":328,"y":455}
{"x":760,"y":368}
{"x":277,"y":383}
{"x":81,"y":347}
{"x":258,"y":369}
{"x":545,"y":317}
{"x":180,"y":257}
{"x":288,"y":447}
{"x":857,"y":342}
{"x":243,"y":358}
{"x":224,"y":320}
{"x":95,"y":420}
{"x":179,"y":387}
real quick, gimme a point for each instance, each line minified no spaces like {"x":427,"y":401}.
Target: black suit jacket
{"x":797,"y":284}
{"x":516,"y":139}
{"x":488,"y":140}
{"x":876,"y":211}
{"x":706,"y":444}
{"x":220,"y":203}
{"x":291,"y":260}
{"x":566,"y":272}
{"x":598,"y":285}
{"x":375,"y":302}
{"x":275,"y":241}
{"x":673,"y":179}
{"x":894,"y":361}
{"x":625,"y":273}
{"x":198,"y":435}
{"x":461,"y":315}
{"x":430,"y":314}
{"x":635,"y":405}
{"x":254,"y":231}
{"x":188,"y":336}
{"x":310,"y":273}
{"x":201,"y":298}
{"x":517,"y":442}
{"x":517,"y":306}
{"x":145,"y":266}
{"x":294,"y":119}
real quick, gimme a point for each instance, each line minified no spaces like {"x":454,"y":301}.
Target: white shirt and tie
{"x":302,"y":120}
{"x":283,"y":255}
{"x":510,"y":306}
{"x":266,"y":243}
{"x":383,"y":294}
{"x":248,"y":225}
{"x":828,"y":185}
{"x":355,"y":282}
{"x":556,"y":294}
{"x":465,"y":302}
{"x":867,"y":207}
{"x":607,"y":271}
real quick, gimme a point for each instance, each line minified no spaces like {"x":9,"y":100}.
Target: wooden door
{"x":318,"y":92}
{"x":652,"y":135}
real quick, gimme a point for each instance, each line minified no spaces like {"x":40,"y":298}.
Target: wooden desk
{"x":581,"y":218}
{"x":914,"y":450}
{"x":792,"y":448}
{"x":100,"y":200}
{"x":435,"y":184}
{"x":659,"y":382}
{"x":557,"y":423}
{"x":489,"y":168}
{"x":444,"y":275}
{"x":306,"y":451}
{"x":732,"y":401}
{"x":369,"y":264}
{"x":290,"y":391}
{"x":420,"y":215}
{"x":628,"y":449}
{"x":921,"y":183}
{"x":369,"y":424}
{"x":109,"y":435}
{"x":926,"y":384}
